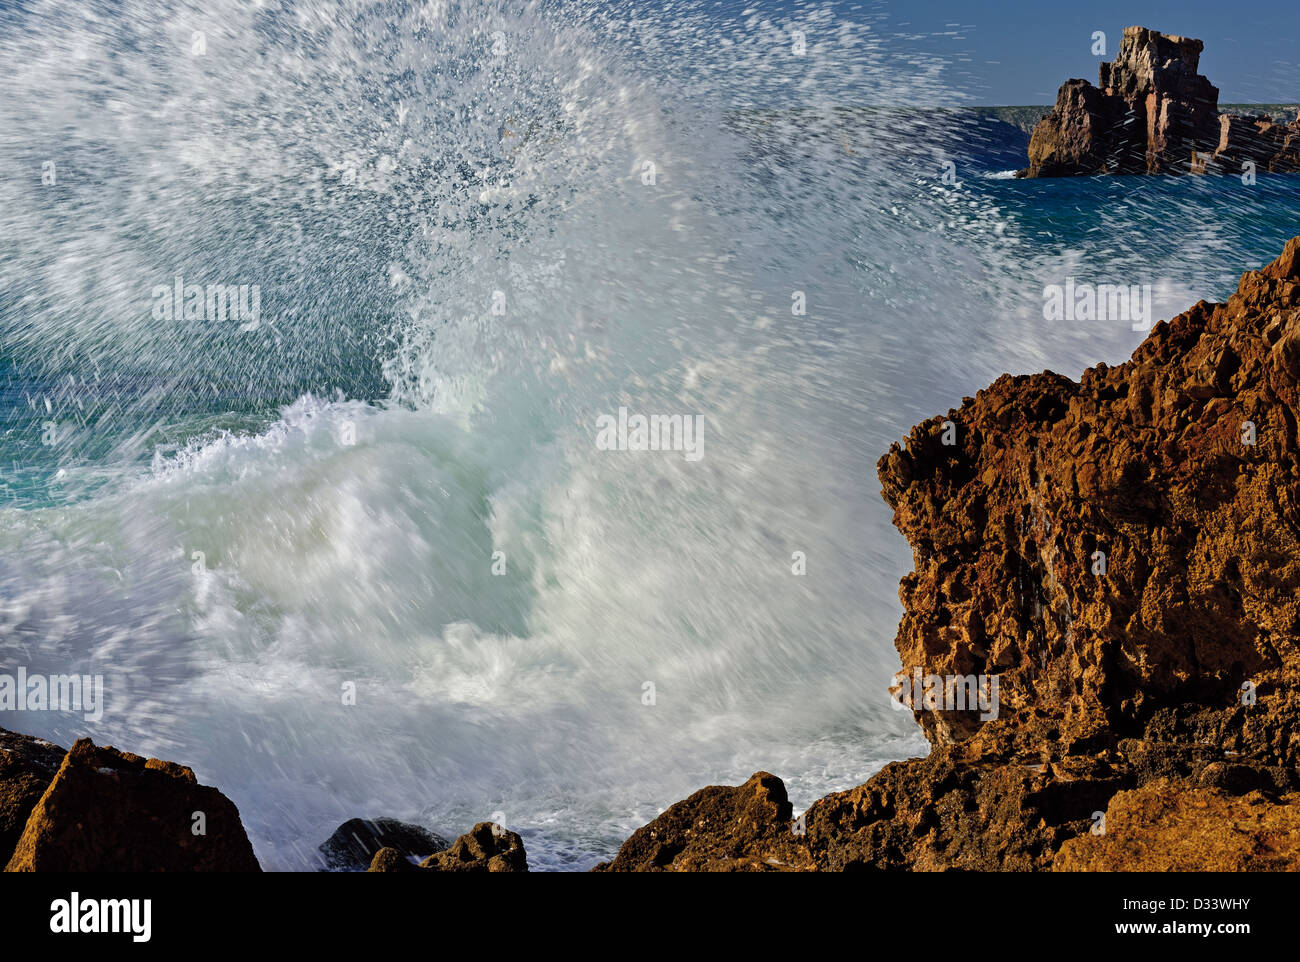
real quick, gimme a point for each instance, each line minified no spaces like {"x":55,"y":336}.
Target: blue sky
{"x":1020,"y":52}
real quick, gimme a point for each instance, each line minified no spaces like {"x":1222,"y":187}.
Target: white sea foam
{"x":348,"y":157}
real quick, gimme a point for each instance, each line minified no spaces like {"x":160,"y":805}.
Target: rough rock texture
{"x":1151,"y":112}
{"x":1257,"y":140}
{"x":487,"y":847}
{"x":747,"y":828}
{"x":390,"y":860}
{"x":111,"y":811}
{"x":1114,"y":550}
{"x":1123,"y":554}
{"x":355,"y":843}
{"x":1075,"y":138}
{"x":1167,"y":827}
{"x":960,"y":810}
{"x":27,"y":766}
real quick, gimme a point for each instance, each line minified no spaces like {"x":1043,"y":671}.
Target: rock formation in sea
{"x":487,"y":847}
{"x":718,"y":829}
{"x":1151,"y":112}
{"x":106,"y":810}
{"x":94,"y":809}
{"x":1122,"y":553}
{"x":354,"y":844}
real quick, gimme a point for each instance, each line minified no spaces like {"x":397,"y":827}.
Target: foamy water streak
{"x":464,"y":260}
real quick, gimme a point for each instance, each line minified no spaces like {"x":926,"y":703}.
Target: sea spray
{"x":366,"y":555}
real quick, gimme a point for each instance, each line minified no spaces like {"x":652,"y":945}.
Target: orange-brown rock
{"x":1122,"y":553}
{"x":111,"y":811}
{"x":958,"y":810}
{"x":1257,"y":141}
{"x":27,"y":766}
{"x":487,"y":847}
{"x":391,"y":860}
{"x":1166,"y":826}
{"x":746,"y":828}
{"x":1075,"y":138}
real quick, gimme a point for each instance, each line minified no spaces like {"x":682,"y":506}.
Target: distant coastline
{"x":1026,"y":117}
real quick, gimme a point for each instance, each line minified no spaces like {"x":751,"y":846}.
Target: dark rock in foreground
{"x":487,"y":847}
{"x":719,"y":829}
{"x":111,"y":811}
{"x":27,"y":766}
{"x":355,"y":843}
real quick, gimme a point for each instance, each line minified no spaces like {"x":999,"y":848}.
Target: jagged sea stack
{"x":1151,"y":112}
